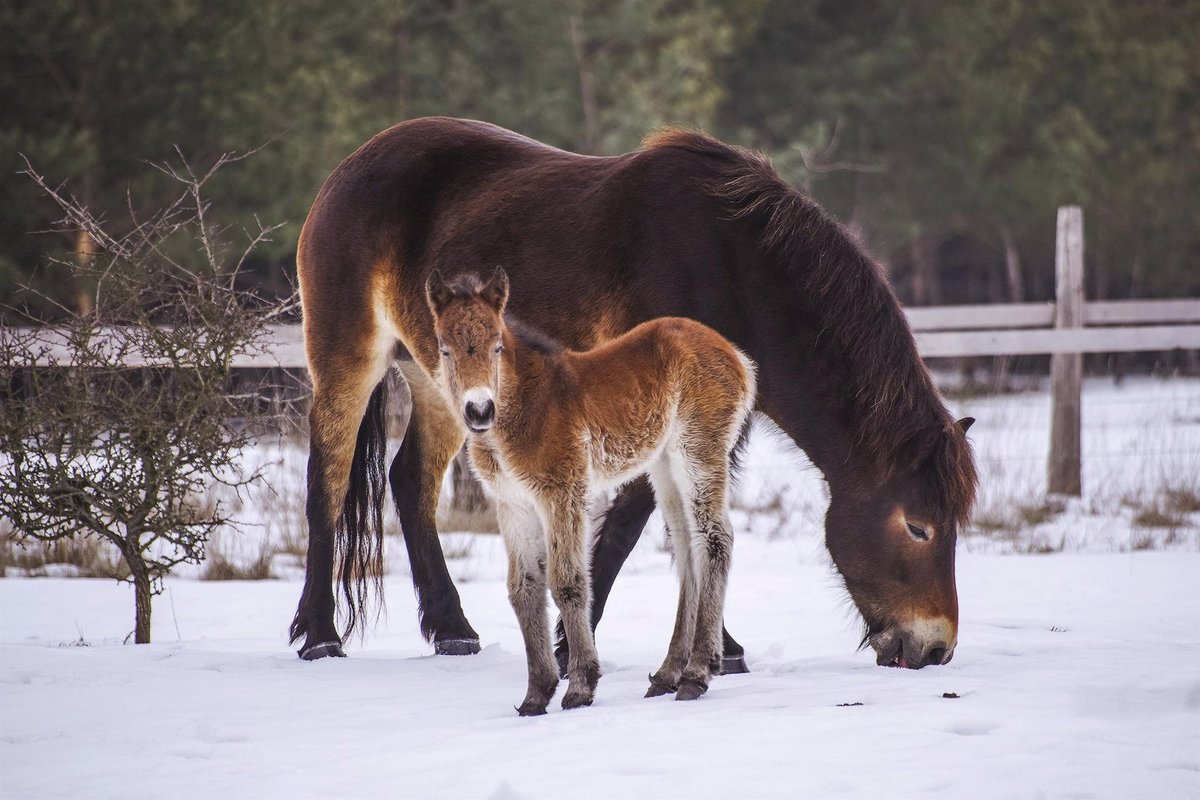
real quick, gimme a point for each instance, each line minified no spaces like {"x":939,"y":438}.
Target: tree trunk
{"x":403,"y":44}
{"x":925,"y":287}
{"x":587,"y":87}
{"x":1012,"y":266}
{"x":142,"y":598}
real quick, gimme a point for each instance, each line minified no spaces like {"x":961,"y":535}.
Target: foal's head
{"x":468,"y":318}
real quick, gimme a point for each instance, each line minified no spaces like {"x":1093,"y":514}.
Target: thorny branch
{"x":99,"y":449}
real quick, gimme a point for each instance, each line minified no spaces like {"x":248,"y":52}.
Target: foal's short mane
{"x":892,"y":397}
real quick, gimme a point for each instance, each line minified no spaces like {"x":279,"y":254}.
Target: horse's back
{"x":453,"y":183}
{"x":588,"y":242}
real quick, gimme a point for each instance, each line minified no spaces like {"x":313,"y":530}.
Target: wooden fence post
{"x":1066,"y":369}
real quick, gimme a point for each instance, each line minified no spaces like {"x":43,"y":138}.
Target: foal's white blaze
{"x":478,"y":396}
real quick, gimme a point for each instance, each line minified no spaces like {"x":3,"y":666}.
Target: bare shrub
{"x":115,"y":423}
{"x":1155,"y":516}
{"x":1182,"y":500}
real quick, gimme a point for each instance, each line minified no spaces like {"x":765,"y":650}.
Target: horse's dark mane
{"x":892,"y":399}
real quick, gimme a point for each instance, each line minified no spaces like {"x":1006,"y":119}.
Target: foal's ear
{"x":495,"y":291}
{"x":437,"y":293}
{"x":965,"y":424}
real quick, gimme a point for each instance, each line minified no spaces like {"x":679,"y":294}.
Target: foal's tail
{"x":359,"y":534}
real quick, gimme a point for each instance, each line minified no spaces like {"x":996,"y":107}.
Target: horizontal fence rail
{"x":1112,"y":326}
{"x":1041,"y":315}
{"x":938,"y":344}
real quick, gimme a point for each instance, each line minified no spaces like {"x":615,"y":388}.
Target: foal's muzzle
{"x":479,"y":415}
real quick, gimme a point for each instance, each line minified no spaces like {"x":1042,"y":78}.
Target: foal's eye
{"x":445,"y":353}
{"x":499,"y":347}
{"x":917,"y":532}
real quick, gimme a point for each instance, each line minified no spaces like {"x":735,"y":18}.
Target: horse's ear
{"x":437,"y":293}
{"x":923,"y":444}
{"x":965,"y":424}
{"x":495,"y":291}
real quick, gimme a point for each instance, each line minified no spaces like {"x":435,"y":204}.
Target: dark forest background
{"x":945,"y":133}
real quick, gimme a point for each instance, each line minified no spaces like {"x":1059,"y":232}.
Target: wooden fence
{"x":1065,"y":329}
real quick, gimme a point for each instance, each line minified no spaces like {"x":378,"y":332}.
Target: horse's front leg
{"x":526,"y":546}
{"x":570,"y":586}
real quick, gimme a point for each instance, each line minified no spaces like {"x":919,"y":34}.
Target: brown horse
{"x":550,"y":428}
{"x":685,"y":227}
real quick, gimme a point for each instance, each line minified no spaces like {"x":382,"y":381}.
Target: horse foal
{"x":551,"y":427}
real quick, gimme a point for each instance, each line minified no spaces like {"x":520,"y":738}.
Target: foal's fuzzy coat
{"x":552,"y":427}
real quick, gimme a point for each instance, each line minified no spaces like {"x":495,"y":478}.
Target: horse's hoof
{"x":456,"y":647}
{"x":690,"y":690}
{"x":570,"y":701}
{"x":321,"y":650}
{"x":530,"y":710}
{"x":732,"y":665}
{"x":563,"y":658}
{"x":658,"y":687}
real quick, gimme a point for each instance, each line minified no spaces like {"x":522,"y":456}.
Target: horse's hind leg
{"x":432,"y":439}
{"x":526,"y":546}
{"x":344,"y":372}
{"x":671,"y":503}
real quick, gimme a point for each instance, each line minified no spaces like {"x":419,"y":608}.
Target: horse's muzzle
{"x":921,"y":643}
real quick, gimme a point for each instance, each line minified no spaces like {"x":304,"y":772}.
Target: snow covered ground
{"x":1076,"y":672}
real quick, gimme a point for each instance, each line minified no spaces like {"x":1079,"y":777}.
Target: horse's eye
{"x":499,"y":347}
{"x":917,"y":532}
{"x":445,"y":353}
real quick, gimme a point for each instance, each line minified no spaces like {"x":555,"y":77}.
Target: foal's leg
{"x":618,"y":534}
{"x":615,"y":539}
{"x":433,"y":438}
{"x":566,"y":522}
{"x":712,"y":550}
{"x":526,"y":546}
{"x":670,"y":502}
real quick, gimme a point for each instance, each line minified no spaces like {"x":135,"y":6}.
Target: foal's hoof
{"x":659,"y":687}
{"x":528,"y":709}
{"x":690,"y":690}
{"x":321,"y":650}
{"x":730,"y":665}
{"x":575,"y":700}
{"x":456,"y":647}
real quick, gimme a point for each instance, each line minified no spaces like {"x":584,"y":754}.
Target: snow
{"x":1075,"y":671}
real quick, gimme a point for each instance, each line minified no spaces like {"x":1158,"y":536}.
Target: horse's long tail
{"x":359,"y":536}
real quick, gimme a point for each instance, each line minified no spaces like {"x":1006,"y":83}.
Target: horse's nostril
{"x":936,"y":655}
